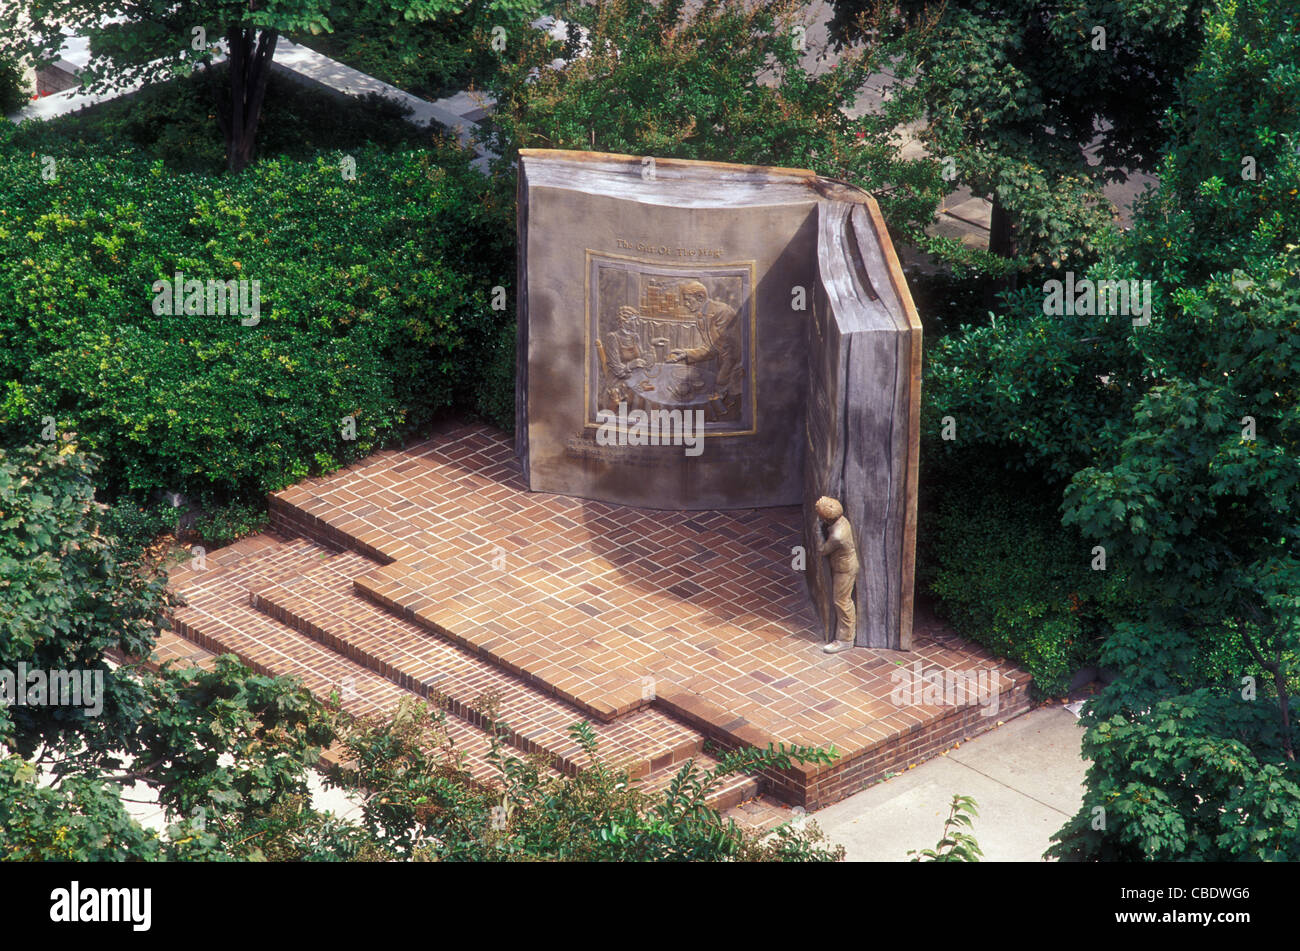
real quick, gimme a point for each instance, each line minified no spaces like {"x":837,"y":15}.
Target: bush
{"x":229,"y":523}
{"x":13,"y":91}
{"x":433,"y":810}
{"x":494,"y":396}
{"x":374,"y":297}
{"x":1012,"y":578}
{"x":135,"y":525}
{"x":1191,"y":778}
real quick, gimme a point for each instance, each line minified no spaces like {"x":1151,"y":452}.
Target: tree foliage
{"x":1180,"y":442}
{"x":136,"y":41}
{"x":721,"y":80}
{"x":223,"y":745}
{"x":1037,"y":104}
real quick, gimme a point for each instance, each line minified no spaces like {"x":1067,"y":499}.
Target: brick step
{"x":265,"y":557}
{"x":169,"y":647}
{"x":301,"y":520}
{"x":321,"y":603}
{"x":514,"y":644}
{"x":218,"y":618}
{"x":735,"y":789}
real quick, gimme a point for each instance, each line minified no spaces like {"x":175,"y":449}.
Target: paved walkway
{"x":457,"y":113}
{"x":1026,"y":778}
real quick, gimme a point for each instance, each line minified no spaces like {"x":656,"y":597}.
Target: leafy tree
{"x":141,"y":41}
{"x":68,"y":601}
{"x":226,"y":750}
{"x":1203,"y":511}
{"x":721,"y":80}
{"x":1195,"y":777}
{"x":1175,"y":447}
{"x":1037,"y":104}
{"x":1198,"y":496}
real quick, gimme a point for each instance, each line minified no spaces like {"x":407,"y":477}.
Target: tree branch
{"x":1274,"y":668}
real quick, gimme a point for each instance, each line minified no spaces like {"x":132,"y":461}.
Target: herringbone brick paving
{"x":219,"y":618}
{"x":219,"y":614}
{"x":592,"y":599}
{"x":321,"y":602}
{"x":433,"y":571}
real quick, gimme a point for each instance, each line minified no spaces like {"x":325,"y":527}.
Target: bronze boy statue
{"x":838,"y":547}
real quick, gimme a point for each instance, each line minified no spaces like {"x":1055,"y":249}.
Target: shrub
{"x":134,"y":525}
{"x":228,"y":523}
{"x":1191,"y":778}
{"x":374,"y":296}
{"x":494,"y":395}
{"x":1012,"y":578}
{"x":422,"y":804}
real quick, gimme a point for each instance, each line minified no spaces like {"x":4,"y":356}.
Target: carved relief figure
{"x":624,"y":346}
{"x":718,"y":328}
{"x":662,"y":339}
{"x":838,"y":547}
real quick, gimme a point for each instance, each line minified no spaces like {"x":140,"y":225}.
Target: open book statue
{"x":700,"y":335}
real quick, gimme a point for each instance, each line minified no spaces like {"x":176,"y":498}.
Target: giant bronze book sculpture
{"x":698,"y":335}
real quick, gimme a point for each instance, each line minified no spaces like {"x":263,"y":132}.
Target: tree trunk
{"x":250,"y":55}
{"x":1001,"y":243}
{"x":1276,"y":668}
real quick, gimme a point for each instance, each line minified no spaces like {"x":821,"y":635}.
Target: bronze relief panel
{"x":672,"y":338}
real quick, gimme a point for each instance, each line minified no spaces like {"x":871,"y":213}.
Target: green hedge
{"x":374,"y":304}
{"x":1010,"y":576}
{"x":134,"y":525}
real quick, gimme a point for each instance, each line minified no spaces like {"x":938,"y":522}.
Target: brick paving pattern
{"x":431,"y":571}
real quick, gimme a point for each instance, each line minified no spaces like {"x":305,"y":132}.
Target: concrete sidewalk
{"x":1026,"y":778}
